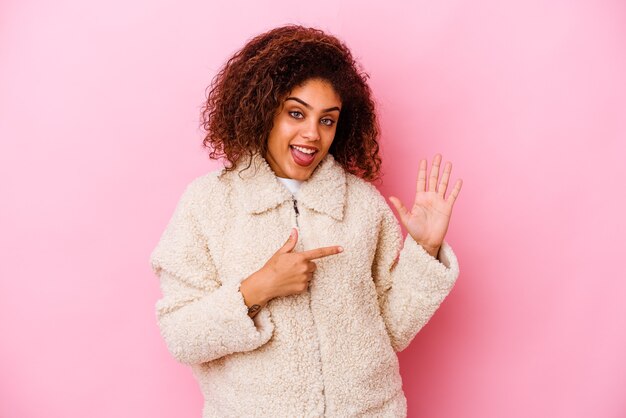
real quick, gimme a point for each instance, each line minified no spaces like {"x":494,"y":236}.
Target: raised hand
{"x":285,"y":273}
{"x":428,"y":219}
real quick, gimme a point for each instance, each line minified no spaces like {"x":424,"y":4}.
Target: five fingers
{"x":433,"y":179}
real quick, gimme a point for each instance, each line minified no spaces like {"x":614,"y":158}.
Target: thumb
{"x":400,"y":208}
{"x":291,"y":242}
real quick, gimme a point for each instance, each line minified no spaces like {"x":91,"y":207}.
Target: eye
{"x":296,"y":114}
{"x":327,"y":122}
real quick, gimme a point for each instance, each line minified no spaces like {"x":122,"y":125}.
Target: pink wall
{"x":98,"y":125}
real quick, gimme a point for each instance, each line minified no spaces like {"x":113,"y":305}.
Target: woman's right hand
{"x":285,"y":273}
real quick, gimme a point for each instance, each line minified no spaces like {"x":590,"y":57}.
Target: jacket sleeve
{"x":410,"y":283}
{"x":200,"y":318}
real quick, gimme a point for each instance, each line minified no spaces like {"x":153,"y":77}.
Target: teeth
{"x":304,"y":150}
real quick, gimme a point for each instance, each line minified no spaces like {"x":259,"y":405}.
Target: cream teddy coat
{"x":330,"y":351}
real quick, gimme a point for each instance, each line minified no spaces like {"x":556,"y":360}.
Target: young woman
{"x":286,"y":283}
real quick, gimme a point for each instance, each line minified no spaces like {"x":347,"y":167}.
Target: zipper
{"x":295,"y":208}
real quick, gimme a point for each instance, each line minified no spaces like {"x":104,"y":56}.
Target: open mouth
{"x":303,"y":156}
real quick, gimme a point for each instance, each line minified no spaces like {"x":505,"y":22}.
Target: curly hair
{"x":250,"y":88}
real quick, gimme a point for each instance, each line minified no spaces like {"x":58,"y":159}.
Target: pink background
{"x":99,"y":108}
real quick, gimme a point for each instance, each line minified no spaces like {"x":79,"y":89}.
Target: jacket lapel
{"x":323,"y":192}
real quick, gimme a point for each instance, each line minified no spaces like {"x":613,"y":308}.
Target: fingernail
{"x":340,"y":249}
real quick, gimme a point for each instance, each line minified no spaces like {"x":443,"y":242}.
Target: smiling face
{"x":304,"y":129}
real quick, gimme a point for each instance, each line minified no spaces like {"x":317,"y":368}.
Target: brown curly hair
{"x":248,"y":91}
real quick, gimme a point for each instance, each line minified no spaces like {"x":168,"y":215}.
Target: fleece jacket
{"x":327,"y":352}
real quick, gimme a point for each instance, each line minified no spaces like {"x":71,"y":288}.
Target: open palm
{"x":428,"y":219}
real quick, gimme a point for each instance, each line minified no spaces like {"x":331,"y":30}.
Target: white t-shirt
{"x":292,"y":185}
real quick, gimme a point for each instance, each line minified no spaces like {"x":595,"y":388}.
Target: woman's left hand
{"x":427,"y":221}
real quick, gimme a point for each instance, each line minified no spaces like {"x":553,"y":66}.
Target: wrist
{"x":433,"y":250}
{"x":253,"y":291}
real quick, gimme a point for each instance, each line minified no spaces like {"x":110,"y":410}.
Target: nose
{"x":311,"y":130}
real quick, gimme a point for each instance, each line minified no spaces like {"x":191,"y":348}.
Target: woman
{"x":286,"y":285}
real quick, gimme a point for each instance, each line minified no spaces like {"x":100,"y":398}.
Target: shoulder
{"x":364,"y":191}
{"x":210,"y":181}
{"x":203,"y":190}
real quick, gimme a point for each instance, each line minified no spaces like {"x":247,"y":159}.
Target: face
{"x":304,"y":129}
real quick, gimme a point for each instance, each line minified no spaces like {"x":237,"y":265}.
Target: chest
{"x":247,"y":240}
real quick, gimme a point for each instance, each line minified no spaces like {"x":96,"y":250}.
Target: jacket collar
{"x":323,"y":192}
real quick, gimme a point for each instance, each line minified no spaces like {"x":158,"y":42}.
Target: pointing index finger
{"x":321,"y":252}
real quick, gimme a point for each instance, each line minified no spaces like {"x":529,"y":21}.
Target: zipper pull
{"x":295,"y":206}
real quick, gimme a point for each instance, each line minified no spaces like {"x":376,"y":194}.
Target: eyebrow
{"x":308,"y":106}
